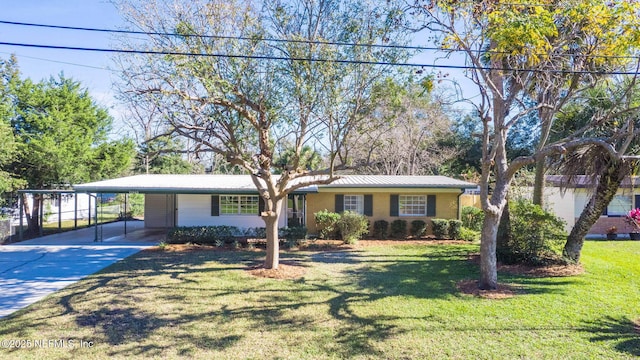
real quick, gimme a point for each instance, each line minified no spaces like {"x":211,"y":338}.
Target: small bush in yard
{"x":293,"y":236}
{"x":399,"y":229}
{"x":440,"y":228}
{"x":467,"y":234}
{"x":352,"y":226}
{"x":472,"y":218}
{"x":454,"y":229}
{"x":380,"y":229}
{"x":418,"y":228}
{"x":326,"y":223}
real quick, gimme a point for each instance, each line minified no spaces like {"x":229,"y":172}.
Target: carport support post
{"x":75,"y":211}
{"x":21,"y":205}
{"x":125,"y":212}
{"x":96,"y":216}
{"x":41,"y":217}
{"x":59,"y":212}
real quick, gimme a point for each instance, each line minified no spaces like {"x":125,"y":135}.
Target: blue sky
{"x":90,"y":68}
{"x":83,"y":13}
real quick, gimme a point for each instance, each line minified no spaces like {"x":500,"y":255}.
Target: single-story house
{"x":569,"y":202}
{"x":199,"y":200}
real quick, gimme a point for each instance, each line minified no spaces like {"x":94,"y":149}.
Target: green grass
{"x":395,"y":302}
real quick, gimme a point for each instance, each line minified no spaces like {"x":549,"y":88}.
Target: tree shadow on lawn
{"x":365,"y":277}
{"x":624,"y":332}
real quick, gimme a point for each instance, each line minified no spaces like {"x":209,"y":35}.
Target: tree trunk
{"x":273,"y":243}
{"x":270,"y":218}
{"x":539,"y":184}
{"x":488,"y":264}
{"x":608,"y":185}
{"x":503,"y":239}
{"x":33,"y":214}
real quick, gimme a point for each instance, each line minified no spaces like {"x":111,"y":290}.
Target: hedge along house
{"x":208,"y":200}
{"x":389,"y":198}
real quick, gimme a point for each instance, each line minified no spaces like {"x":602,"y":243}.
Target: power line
{"x":223,"y":37}
{"x":318,"y":42}
{"x":337,"y":61}
{"x":57,"y":61}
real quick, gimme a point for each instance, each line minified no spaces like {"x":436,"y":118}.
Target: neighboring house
{"x":569,"y":203}
{"x":200,"y":200}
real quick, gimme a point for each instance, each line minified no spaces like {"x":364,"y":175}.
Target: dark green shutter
{"x":215,"y":205}
{"x":431,"y":205}
{"x":368,"y":205}
{"x":394,"y":205}
{"x":260,"y":205}
{"x":339,"y":203}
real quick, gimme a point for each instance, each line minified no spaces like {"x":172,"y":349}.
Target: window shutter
{"x":261,"y":205}
{"x":215,"y":205}
{"x":339,"y":203}
{"x":431,"y":205}
{"x":394,"y":205}
{"x":368,"y":205}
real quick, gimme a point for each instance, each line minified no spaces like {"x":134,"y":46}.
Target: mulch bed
{"x":470,"y":287}
{"x":284,"y":271}
{"x":554,"y":270}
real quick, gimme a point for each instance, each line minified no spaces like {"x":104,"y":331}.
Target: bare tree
{"x":403,"y":132}
{"x":228,"y":89}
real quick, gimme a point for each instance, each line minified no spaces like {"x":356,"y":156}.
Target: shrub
{"x":202,"y":234}
{"x":418,"y":228}
{"x":472,"y":218}
{"x":536,"y":235}
{"x":440,"y":228}
{"x":326,"y":223}
{"x":352,"y":226}
{"x":454,"y":229}
{"x":380,"y":229}
{"x":293,"y":236}
{"x":467,"y":234}
{"x":398,"y":229}
{"x":256,"y":232}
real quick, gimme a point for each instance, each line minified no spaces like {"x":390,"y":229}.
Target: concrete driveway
{"x":33,"y":269}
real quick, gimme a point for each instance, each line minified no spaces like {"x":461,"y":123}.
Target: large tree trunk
{"x":608,"y":185}
{"x":488,"y":264}
{"x":538,"y":184}
{"x":32,"y":214}
{"x":272,"y":260}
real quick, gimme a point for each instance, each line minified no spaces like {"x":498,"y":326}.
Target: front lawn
{"x":380,"y":302}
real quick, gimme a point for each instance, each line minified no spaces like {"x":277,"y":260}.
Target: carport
{"x":91,"y":209}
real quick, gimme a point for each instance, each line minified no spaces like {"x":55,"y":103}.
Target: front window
{"x":412,"y":205}
{"x":239,"y":204}
{"x":354,"y":203}
{"x":620,"y":205}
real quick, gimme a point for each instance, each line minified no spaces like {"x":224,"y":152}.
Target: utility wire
{"x":337,"y":61}
{"x":244,"y":38}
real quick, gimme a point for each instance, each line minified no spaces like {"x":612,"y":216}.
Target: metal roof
{"x":200,"y":184}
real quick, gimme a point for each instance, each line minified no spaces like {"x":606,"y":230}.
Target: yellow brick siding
{"x":446,"y":205}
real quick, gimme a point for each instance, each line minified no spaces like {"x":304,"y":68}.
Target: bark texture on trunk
{"x":488,"y":264}
{"x":607,"y":187}
{"x":273,"y":243}
{"x":538,"y":184}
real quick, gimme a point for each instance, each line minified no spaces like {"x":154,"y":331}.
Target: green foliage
{"x":212,"y":235}
{"x":135,"y":205}
{"x":62,"y":135}
{"x":326,"y":223}
{"x":440,"y":228}
{"x":293,"y":236}
{"x":380,"y":229}
{"x":472,"y":218}
{"x":467,"y":234}
{"x":398,"y":229}
{"x":536,"y":235}
{"x":455,"y":227}
{"x":418,"y":228}
{"x":352,"y":226}
{"x":161,"y":155}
